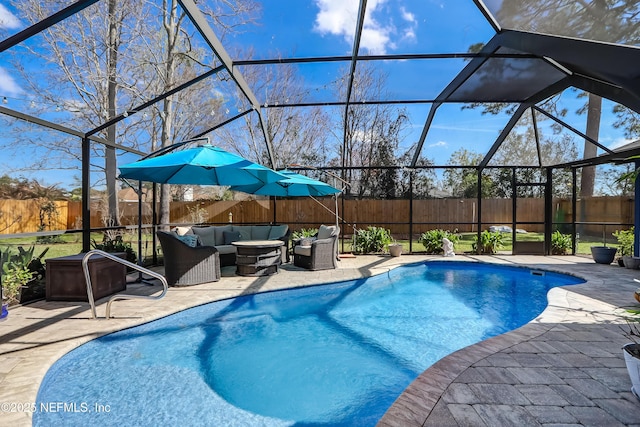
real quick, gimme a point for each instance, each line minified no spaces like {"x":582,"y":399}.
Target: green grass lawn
{"x":467,"y":239}
{"x":71,"y":244}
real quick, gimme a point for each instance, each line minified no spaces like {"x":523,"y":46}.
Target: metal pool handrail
{"x":92,"y":303}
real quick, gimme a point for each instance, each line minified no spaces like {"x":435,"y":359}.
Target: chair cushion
{"x":189,"y":239}
{"x":302,"y":250}
{"x":206,"y":235}
{"x":245,"y":231}
{"x":231,"y":236}
{"x":324,"y":232}
{"x":260,"y":232}
{"x":277,"y":231}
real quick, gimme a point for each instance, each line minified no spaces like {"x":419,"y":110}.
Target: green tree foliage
{"x":463,"y":182}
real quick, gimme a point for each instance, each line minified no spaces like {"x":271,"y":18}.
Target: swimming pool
{"x":336,"y":354}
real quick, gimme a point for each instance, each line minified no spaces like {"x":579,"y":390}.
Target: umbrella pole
{"x":138,"y":190}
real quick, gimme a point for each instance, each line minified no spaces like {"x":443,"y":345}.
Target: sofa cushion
{"x":245,"y":231}
{"x":226,"y":249}
{"x":278,"y":231}
{"x":260,"y":232}
{"x":183,"y":230}
{"x":206,"y":235}
{"x":324,"y":232}
{"x":231,"y":236}
{"x":189,"y":239}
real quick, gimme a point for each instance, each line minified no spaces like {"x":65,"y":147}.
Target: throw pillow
{"x":245,"y":231}
{"x":231,"y":236}
{"x":189,"y":239}
{"x":183,"y":230}
{"x":219,"y":232}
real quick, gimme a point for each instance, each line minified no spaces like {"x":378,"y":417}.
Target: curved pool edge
{"x":37,"y":335}
{"x":593,"y":306}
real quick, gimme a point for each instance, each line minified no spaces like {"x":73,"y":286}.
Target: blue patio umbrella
{"x":293,"y":185}
{"x":199,"y":165}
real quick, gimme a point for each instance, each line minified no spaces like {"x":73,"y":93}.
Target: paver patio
{"x":564,"y":368}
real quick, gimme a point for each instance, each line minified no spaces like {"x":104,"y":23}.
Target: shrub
{"x":560,"y":243}
{"x":490,"y":242}
{"x":432,"y":240}
{"x":115,"y":245}
{"x":371,"y":240}
{"x":304,"y":232}
{"x":20,"y":269}
{"x":625,"y":241}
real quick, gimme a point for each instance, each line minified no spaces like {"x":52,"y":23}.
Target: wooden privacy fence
{"x":22,"y":216}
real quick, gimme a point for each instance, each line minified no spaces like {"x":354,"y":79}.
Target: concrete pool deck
{"x":564,"y":368}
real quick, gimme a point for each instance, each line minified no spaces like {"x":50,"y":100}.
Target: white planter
{"x":631,"y":262}
{"x":395,"y":250}
{"x":633,"y":367}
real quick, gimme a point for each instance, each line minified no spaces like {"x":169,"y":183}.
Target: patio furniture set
{"x":194,"y":255}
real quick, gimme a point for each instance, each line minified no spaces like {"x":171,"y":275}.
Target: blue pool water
{"x":336,"y":354}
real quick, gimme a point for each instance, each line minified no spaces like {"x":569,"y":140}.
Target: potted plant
{"x":603,"y":254}
{"x":625,"y":248}
{"x":16,"y":274}
{"x":631,"y":353}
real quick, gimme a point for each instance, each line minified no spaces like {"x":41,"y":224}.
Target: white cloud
{"x":8,"y":85}
{"x":620,"y":142}
{"x":8,"y":20}
{"x":339,"y":17}
{"x":439,"y":144}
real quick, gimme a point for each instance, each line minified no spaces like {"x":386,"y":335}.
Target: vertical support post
{"x":514,"y":207}
{"x":574,"y":207}
{"x":86,"y":213}
{"x":411,"y":211}
{"x":140,"y":225}
{"x":636,"y":214}
{"x":275,"y":216}
{"x":154,"y":222}
{"x":548,"y":211}
{"x":479,"y":199}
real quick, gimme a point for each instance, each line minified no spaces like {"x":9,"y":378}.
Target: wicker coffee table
{"x":258,"y":257}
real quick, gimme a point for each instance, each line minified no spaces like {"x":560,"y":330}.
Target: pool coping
{"x":37,"y":335}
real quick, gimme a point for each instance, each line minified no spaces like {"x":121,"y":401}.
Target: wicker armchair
{"x":185,"y":265}
{"x":320,"y":252}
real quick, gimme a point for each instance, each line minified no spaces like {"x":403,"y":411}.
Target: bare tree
{"x":372,"y":137}
{"x":298,"y":135}
{"x":111,"y":57}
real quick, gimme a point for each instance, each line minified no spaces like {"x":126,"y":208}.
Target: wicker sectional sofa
{"x":221,"y":237}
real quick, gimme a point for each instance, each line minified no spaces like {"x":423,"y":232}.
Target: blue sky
{"x":326,"y":27}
